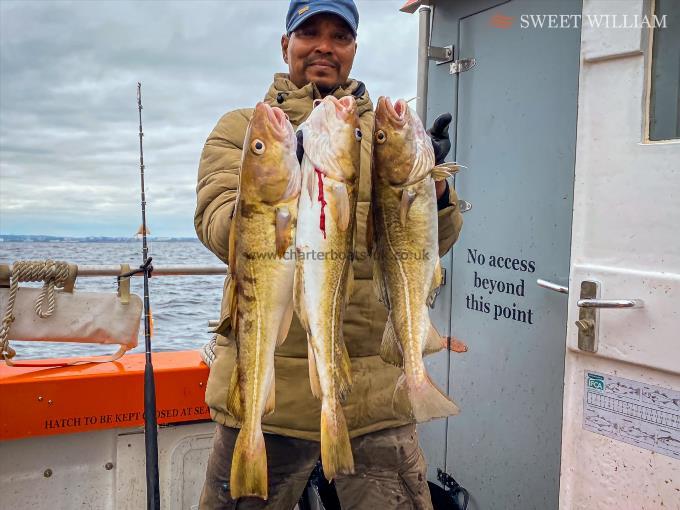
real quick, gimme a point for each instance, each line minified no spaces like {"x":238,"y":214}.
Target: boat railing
{"x":115,"y":270}
{"x":175,"y":270}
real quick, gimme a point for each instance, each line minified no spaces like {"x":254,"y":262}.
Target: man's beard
{"x":325,"y":89}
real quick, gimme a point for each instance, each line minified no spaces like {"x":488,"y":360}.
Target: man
{"x":319,"y":47}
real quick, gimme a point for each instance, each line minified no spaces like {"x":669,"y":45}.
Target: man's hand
{"x":441,"y":143}
{"x":439,"y":133}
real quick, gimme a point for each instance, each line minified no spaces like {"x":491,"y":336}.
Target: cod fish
{"x":262,"y":268}
{"x":324,"y":246}
{"x":402,"y":236}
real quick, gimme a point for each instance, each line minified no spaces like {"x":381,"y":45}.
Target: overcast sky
{"x":69,"y":162}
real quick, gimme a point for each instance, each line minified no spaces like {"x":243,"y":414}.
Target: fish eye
{"x":380,"y":136}
{"x":357,"y":134}
{"x":257,"y":146}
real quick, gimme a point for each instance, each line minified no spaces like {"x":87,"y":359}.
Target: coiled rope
{"x":55,"y":275}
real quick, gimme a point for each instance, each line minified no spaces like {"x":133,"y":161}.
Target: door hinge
{"x":464,"y":206}
{"x":462,"y":65}
{"x":441,"y":54}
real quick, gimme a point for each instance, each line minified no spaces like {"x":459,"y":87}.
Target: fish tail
{"x":422,"y":400}
{"x":336,"y":450}
{"x":344,"y":382}
{"x":249,"y":465}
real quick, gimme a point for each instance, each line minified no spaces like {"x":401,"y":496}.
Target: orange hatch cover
{"x":45,"y":401}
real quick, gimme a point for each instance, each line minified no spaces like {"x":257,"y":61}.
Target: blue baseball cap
{"x":301,"y":10}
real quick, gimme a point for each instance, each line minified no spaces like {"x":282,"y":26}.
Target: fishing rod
{"x":150,"y":423}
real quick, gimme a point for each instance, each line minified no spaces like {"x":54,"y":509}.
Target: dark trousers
{"x":389,"y":472}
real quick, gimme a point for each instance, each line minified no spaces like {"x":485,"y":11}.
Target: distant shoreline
{"x":13,"y":238}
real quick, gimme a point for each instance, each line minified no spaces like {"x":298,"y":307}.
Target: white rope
{"x":54,"y":274}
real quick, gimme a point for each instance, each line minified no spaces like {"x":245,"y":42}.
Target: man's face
{"x":321,"y":51}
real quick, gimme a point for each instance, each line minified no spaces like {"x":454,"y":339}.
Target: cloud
{"x":69,"y":158}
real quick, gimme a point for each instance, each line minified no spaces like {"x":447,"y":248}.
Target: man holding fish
{"x":342,"y":378}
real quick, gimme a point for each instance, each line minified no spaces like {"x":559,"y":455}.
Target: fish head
{"x":270,"y":171}
{"x":402,"y":150}
{"x":332,"y":137}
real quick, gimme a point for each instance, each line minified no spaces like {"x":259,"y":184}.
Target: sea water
{"x":181,"y":305}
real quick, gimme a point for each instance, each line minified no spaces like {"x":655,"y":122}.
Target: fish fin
{"x":407,"y":198}
{"x":336,"y":449}
{"x":283,"y":230}
{"x":437,"y":276}
{"x":434,"y":341}
{"x":234,"y":313}
{"x":341,"y":209}
{"x":423,"y":401}
{"x":369,"y":230}
{"x":311,"y":182}
{"x":298,"y":295}
{"x":249,"y":465}
{"x":284,"y":326}
{"x":441,"y":172}
{"x":232,"y":303}
{"x":234,"y":403}
{"x":231,"y":293}
{"x":454,"y":345}
{"x":379,"y":284}
{"x":390,"y":349}
{"x":436,"y":283}
{"x":231,"y":261}
{"x":271,"y":401}
{"x":314,"y":382}
{"x":350,"y":283}
{"x":344,"y":382}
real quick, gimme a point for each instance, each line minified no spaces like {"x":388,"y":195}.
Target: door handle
{"x":588,"y":315}
{"x":610,"y":303}
{"x":552,"y":286}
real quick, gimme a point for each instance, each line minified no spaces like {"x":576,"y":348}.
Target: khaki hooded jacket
{"x":369,"y":405}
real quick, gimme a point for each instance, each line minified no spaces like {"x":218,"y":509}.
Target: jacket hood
{"x":297,"y":102}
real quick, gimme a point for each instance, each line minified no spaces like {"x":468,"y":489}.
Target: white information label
{"x":633,"y":412}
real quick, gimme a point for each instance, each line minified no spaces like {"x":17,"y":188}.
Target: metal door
{"x":515,"y":130}
{"x":621,"y":433}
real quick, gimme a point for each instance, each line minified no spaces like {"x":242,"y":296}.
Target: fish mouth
{"x":396,"y":114}
{"x":345,"y":107}
{"x":277,"y":119}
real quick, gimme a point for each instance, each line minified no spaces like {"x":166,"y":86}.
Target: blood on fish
{"x":322,"y":200}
